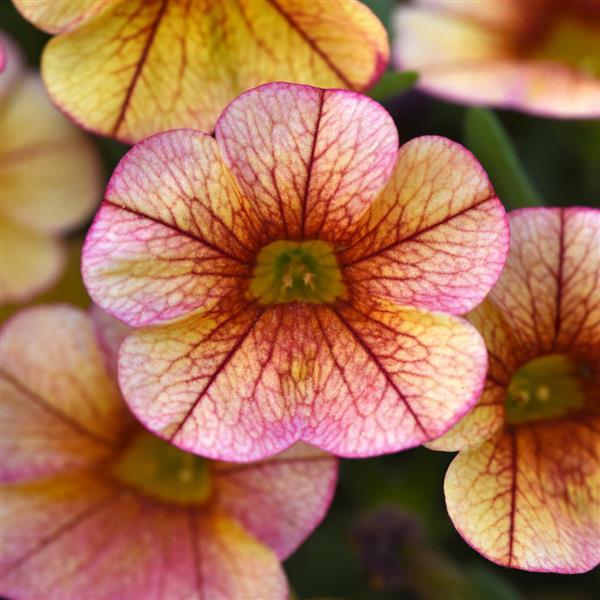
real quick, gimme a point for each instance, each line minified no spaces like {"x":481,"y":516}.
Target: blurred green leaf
{"x":393,"y":83}
{"x":487,"y":139}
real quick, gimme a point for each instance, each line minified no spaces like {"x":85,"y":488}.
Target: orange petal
{"x":281,"y":500}
{"x":246,"y":385}
{"x":465,"y":52}
{"x":60,"y":410}
{"x":523,"y":501}
{"x":173,"y":234}
{"x":310,"y":160}
{"x":215,"y":51}
{"x":436,"y":237}
{"x":56,"y":16}
{"x":11,"y":64}
{"x":80,"y":537}
{"x":50,"y":171}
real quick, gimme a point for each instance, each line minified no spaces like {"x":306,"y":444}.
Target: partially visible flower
{"x":94,"y":506}
{"x":49,"y":181}
{"x":130,"y":68}
{"x":525,"y":489}
{"x":538,"y":56}
{"x":289,"y":278}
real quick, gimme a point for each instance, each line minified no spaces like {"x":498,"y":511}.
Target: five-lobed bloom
{"x":94,"y":506}
{"x":296,"y":277}
{"x":525,"y":488}
{"x":537,"y":56}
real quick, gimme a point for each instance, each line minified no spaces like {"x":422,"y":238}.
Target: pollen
{"x":163,"y":472}
{"x":297,"y":272}
{"x":548,"y":387}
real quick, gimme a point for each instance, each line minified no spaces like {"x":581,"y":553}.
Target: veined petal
{"x":523,"y":501}
{"x":246,"y":385}
{"x":29,"y":262}
{"x":437,"y":236}
{"x":310,"y":160}
{"x":173,"y":234}
{"x":110,"y":333}
{"x":504,"y":357}
{"x":549,"y":292}
{"x":50,"y":171}
{"x":281,"y":500}
{"x":60,"y":409}
{"x":215,"y":51}
{"x":121,"y":545}
{"x":57,"y":16}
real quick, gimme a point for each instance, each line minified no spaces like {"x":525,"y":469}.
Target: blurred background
{"x":387,"y":535}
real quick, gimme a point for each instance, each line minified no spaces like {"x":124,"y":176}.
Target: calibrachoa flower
{"x":94,"y":506}
{"x":525,"y":489}
{"x":50,"y":181}
{"x":537,"y":56}
{"x":290,"y":277}
{"x":130,"y":68}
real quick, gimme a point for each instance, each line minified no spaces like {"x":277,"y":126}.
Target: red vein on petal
{"x":513,"y":494}
{"x":309,"y":167}
{"x":413,"y":236}
{"x":65,"y":528}
{"x":312,"y":44}
{"x":382,"y":369}
{"x":42,"y":403}
{"x":174,"y":227}
{"x":218,"y":371}
{"x":559,"y":277}
{"x":139,"y":67}
{"x":195,"y":552}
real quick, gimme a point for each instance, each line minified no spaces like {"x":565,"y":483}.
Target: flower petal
{"x":310,"y":160}
{"x":280,"y":501}
{"x":436,"y":237}
{"x":246,"y":385}
{"x":56,"y":16}
{"x":503,"y":356}
{"x":121,"y":545}
{"x":60,"y":410}
{"x":549,"y":292}
{"x":50,"y":170}
{"x":215,"y":51}
{"x":173,"y":234}
{"x":522,"y":501}
{"x":466,"y":56}
{"x":110,"y":333}
{"x":29,"y":263}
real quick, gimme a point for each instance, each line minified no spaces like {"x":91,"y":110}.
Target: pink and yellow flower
{"x":539,"y":56}
{"x":96,"y":507}
{"x":525,"y":488}
{"x":49,"y":182}
{"x":295,"y":278}
{"x":130,"y":68}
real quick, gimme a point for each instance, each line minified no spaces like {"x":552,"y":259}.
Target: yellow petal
{"x":140,"y":67}
{"x":55,"y":16}
{"x":29,"y":262}
{"x":50,"y":172}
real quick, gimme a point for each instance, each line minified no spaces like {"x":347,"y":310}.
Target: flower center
{"x":297,"y":271}
{"x":163,"y":471}
{"x":546,"y":388}
{"x":574,"y":42}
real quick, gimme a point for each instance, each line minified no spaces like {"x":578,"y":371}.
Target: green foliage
{"x":393,"y":83}
{"x":486,"y":138}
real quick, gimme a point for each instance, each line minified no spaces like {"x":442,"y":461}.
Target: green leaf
{"x":487,"y":139}
{"x":393,"y":83}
